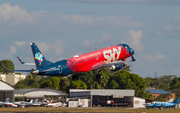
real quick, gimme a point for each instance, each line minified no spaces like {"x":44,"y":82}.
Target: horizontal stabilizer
{"x":23,"y":70}
{"x":24,"y":63}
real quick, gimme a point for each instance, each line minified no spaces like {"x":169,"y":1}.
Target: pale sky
{"x":64,"y":28}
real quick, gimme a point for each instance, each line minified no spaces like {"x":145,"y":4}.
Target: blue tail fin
{"x":39,"y":59}
{"x":176,"y":101}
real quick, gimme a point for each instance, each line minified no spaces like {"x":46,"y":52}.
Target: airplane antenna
{"x":96,"y":49}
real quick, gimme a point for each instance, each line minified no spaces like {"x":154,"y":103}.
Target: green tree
{"x":53,"y":83}
{"x":96,"y":85}
{"x":106,"y":76}
{"x":127,"y":80}
{"x":27,"y":83}
{"x":6,"y":66}
{"x":64,"y":83}
{"x":113,"y":84}
{"x":174,"y":81}
{"x":89,"y":78}
{"x":78,"y":84}
{"x":165,"y":81}
{"x":148,"y":95}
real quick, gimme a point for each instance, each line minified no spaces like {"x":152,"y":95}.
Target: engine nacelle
{"x":112,"y":68}
{"x":116,"y":67}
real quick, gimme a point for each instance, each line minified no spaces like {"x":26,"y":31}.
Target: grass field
{"x":94,"y":109}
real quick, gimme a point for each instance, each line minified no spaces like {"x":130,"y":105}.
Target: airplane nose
{"x":131,"y":52}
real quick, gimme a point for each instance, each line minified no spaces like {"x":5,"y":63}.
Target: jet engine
{"x":116,"y":67}
{"x":112,"y":68}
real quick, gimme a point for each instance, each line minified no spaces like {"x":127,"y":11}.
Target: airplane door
{"x":60,"y":68}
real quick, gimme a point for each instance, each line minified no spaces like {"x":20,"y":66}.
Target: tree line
{"x":169,"y":83}
{"x":88,"y":80}
{"x":122,"y":79}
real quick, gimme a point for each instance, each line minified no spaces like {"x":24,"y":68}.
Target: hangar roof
{"x":5,"y":86}
{"x":102,"y":92}
{"x":158,"y":91}
{"x":39,"y":92}
{"x":122,"y":92}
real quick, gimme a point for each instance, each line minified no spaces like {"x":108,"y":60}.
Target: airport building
{"x":6,"y":91}
{"x":12,"y":78}
{"x":158,"y":92}
{"x":40,"y":93}
{"x":104,"y":97}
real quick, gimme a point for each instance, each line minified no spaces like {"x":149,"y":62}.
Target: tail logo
{"x":39,"y":57}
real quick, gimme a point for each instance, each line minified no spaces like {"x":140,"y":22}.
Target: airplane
{"x":159,"y":104}
{"x":58,"y":104}
{"x":112,"y":57}
{"x":166,"y":104}
{"x":23,"y":103}
{"x":170,"y":100}
{"x":152,"y":104}
{"x":35,"y":103}
{"x":6,"y":103}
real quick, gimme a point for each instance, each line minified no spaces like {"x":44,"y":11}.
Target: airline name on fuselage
{"x":109,"y":55}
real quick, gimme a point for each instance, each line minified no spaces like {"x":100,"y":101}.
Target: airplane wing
{"x":108,"y":64}
{"x":24,"y":63}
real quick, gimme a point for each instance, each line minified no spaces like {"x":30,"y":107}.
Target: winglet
{"x":24,"y":63}
{"x":20,"y":60}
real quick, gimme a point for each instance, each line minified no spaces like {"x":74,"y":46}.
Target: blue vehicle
{"x":150,"y":105}
{"x":161,"y":105}
{"x":155,"y":104}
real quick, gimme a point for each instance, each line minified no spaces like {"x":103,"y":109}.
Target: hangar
{"x":40,"y":93}
{"x":6,"y":91}
{"x":106,"y":97}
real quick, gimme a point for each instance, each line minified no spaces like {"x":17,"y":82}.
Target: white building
{"x":3,"y":77}
{"x":105,"y":97}
{"x":6,"y":91}
{"x":12,"y":78}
